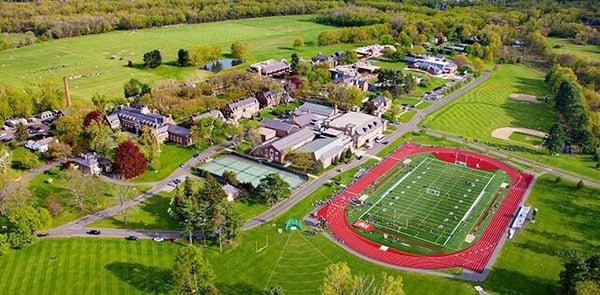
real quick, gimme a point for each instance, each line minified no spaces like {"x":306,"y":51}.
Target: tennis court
{"x":429,"y":201}
{"x":250,"y":171}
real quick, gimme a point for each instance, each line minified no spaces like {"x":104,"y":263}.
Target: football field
{"x":430,"y":202}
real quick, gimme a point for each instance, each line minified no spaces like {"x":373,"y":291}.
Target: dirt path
{"x":524,"y":97}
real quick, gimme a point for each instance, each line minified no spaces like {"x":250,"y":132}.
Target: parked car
{"x":131,"y":238}
{"x":158,"y":239}
{"x":94,"y":232}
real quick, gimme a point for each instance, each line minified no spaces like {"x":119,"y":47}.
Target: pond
{"x":221,"y":64}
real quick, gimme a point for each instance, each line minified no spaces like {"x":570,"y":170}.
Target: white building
{"x":40,"y":145}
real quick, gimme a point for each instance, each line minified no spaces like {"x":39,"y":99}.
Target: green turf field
{"x":90,"y":58}
{"x":569,"y":47}
{"x":429,"y":204}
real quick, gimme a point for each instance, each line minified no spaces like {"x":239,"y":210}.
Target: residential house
{"x":277,"y":148}
{"x":270,"y":67}
{"x":362,"y":128}
{"x":40,"y":145}
{"x":374,"y":50}
{"x":434,"y":65}
{"x":242,"y":109}
{"x":87,"y":163}
{"x":47,"y":115}
{"x":325,"y":149}
{"x":379,"y":105}
{"x":195,"y":118}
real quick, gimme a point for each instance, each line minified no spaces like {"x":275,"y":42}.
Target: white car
{"x":158,"y":239}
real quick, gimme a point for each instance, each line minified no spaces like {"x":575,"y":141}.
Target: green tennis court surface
{"x":249,"y":171}
{"x":429,"y":202}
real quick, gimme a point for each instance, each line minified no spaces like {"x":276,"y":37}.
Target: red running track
{"x":474,"y":258}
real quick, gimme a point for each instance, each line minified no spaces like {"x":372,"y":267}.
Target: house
{"x":325,"y":149}
{"x":452,"y":48}
{"x":277,"y":148}
{"x":362,"y":128}
{"x":434,"y":65}
{"x":15,"y":122}
{"x":271,"y":98}
{"x":47,"y":115}
{"x":356,"y":75}
{"x":88,"y":164}
{"x":317,"y":109}
{"x":40,"y":145}
{"x":281,"y":128}
{"x":134,"y":120}
{"x":270,"y":67}
{"x":379,"y":105}
{"x":374,"y":50}
{"x":333,"y":59}
{"x":242,"y":109}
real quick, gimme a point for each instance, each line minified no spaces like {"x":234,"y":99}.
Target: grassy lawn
{"x":150,"y":214}
{"x":88,"y":266}
{"x":476,"y":114}
{"x":12,"y":173}
{"x":567,"y":219}
{"x":171,"y":157}
{"x":569,"y":47}
{"x":420,"y":104}
{"x":526,"y":138}
{"x":90,"y":57}
{"x":249,"y":209}
{"x":278,"y":110}
{"x":40,"y":189}
{"x":405,"y":117}
{"x":435,"y":82}
{"x":389,"y":129}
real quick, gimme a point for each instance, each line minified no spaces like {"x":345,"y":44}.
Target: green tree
{"x":21,"y":133}
{"x":152,"y":59}
{"x":240,"y":50}
{"x":338,"y":280}
{"x":555,"y":139}
{"x":4,"y":244}
{"x":204,"y":53}
{"x":68,"y":129}
{"x":59,"y":150}
{"x":588,"y":287}
{"x":295,"y":61}
{"x":345,"y":97}
{"x":272,"y":189}
{"x":230,"y":177}
{"x":192,"y":273}
{"x":26,"y":161}
{"x":135,"y":88}
{"x":298,"y":42}
{"x":478,"y":64}
{"x":183,"y":58}
{"x":151,"y":146}
{"x":100,"y":138}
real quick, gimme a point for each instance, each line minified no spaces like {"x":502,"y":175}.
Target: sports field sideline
{"x":429,"y":201}
{"x":249,"y":171}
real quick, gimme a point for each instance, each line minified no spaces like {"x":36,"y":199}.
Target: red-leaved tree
{"x":129,"y":160}
{"x":91,"y":117}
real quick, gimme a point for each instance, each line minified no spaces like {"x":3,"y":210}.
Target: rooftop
{"x":318,"y":109}
{"x":293,"y":139}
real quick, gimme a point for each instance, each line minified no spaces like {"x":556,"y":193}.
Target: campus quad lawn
{"x":40,"y":189}
{"x":150,"y":214}
{"x":487,"y":107}
{"x":570,"y":47}
{"x":171,"y":157}
{"x":88,"y":266}
{"x":567,"y":219}
{"x":88,"y":58}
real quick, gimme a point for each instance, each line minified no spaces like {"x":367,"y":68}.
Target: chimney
{"x":67,"y":92}
{"x":335,"y":109}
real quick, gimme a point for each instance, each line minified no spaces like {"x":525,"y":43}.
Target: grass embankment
{"x":568,"y":46}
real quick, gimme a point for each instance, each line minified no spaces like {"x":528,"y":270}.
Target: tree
{"x":129,"y":160}
{"x":59,"y":150}
{"x":555,"y":139}
{"x":192,"y":273}
{"x":122,"y":193}
{"x":4,"y":244}
{"x":350,"y":57}
{"x":345,"y":97}
{"x":135,"y":88}
{"x":53,"y":203}
{"x":304,"y":161}
{"x":460,"y":60}
{"x":26,"y":220}
{"x":183,"y":58}
{"x":26,"y":161}
{"x":78,"y":186}
{"x":68,"y":130}
{"x":478,"y":64}
{"x":93,"y":116}
{"x":152,"y":59}
{"x":204,"y":53}
{"x":389,"y":285}
{"x":230,"y":177}
{"x":578,"y":268}
{"x":14,"y":196}
{"x":588,"y":287}
{"x":5,"y":159}
{"x":580,"y":184}
{"x":239,"y":50}
{"x":294,"y":62}
{"x":338,"y":280}
{"x":100,"y":138}
{"x":298,"y":42}
{"x":272,"y":189}
{"x":151,"y":146}
{"x":21,"y":133}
